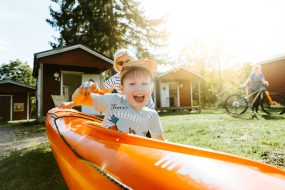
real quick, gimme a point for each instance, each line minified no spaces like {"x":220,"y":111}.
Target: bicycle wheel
{"x":236,"y":104}
{"x":276,"y":107}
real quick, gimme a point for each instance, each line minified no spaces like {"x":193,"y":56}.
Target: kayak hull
{"x":92,"y":157}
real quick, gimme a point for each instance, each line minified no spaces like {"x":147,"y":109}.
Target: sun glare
{"x":251,"y":30}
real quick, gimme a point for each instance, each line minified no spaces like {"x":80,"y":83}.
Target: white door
{"x":96,"y":78}
{"x":164,"y":94}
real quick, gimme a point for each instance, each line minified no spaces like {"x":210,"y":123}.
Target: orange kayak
{"x":92,"y":157}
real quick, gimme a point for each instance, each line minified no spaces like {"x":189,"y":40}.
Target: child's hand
{"x":83,"y":92}
{"x":67,"y":105}
{"x":266,"y":83}
{"x":87,"y":87}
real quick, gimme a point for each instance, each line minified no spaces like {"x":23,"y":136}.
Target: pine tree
{"x":106,"y":25}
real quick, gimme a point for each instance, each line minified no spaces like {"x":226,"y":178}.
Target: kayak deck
{"x":123,"y":161}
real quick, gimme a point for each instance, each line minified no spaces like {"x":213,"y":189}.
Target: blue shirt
{"x":256,"y":81}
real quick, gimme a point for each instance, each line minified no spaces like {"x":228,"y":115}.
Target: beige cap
{"x":149,"y":65}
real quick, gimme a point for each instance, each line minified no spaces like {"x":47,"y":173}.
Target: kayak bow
{"x":92,"y":157}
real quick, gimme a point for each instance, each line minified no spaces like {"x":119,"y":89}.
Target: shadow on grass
{"x":258,"y":116}
{"x":33,"y":168}
{"x":275,"y":158}
{"x":242,"y":116}
{"x":187,"y":112}
{"x":170,"y":113}
{"x":30,"y":122}
{"x":273,"y":117}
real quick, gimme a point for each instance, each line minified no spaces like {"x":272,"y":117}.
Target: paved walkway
{"x":15,"y":138}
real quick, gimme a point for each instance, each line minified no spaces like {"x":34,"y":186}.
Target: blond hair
{"x":119,"y":53}
{"x":257,"y":66}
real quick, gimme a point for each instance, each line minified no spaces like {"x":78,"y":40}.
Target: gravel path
{"x":15,"y":138}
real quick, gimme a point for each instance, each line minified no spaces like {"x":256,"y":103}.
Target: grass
{"x":262,"y":140}
{"x":33,"y":168}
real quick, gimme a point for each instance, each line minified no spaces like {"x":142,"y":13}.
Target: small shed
{"x":274,"y":73}
{"x":59,"y":72}
{"x":15,"y":100}
{"x":174,"y":90}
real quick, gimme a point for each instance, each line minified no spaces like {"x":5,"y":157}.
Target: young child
{"x":121,"y":57}
{"x":126,"y":112}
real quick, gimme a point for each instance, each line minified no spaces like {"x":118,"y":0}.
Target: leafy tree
{"x":17,"y":71}
{"x":105,"y":25}
{"x":206,"y":59}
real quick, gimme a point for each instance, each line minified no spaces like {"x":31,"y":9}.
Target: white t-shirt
{"x":126,"y":118}
{"x":114,"y":83}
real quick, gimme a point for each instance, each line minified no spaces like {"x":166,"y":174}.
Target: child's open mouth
{"x":139,"y":98}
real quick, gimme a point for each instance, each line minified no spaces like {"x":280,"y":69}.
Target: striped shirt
{"x":113,"y":83}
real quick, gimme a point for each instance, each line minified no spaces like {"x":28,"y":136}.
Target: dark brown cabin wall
{"x":50,"y":87}
{"x":19,"y":94}
{"x":74,"y":58}
{"x":185,"y":93}
{"x":57,"y":68}
{"x":11,"y":88}
{"x":5,"y":108}
{"x":20,"y":98}
{"x":157,"y":87}
{"x":275,"y":74}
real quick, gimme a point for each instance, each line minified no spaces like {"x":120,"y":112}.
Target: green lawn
{"x":31,"y":169}
{"x":260,"y":139}
{"x":263,"y":140}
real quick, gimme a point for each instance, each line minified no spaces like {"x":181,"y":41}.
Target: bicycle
{"x":270,"y":102}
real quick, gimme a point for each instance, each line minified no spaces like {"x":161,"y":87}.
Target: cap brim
{"x":149,"y":65}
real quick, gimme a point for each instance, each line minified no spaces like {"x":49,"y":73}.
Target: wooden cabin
{"x":15,"y":100}
{"x":274,"y":73}
{"x":61,"y":71}
{"x":174,"y":90}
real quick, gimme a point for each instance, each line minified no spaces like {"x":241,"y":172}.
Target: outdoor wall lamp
{"x":56,"y":76}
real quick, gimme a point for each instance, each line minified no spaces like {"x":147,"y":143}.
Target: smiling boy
{"x":126,"y":112}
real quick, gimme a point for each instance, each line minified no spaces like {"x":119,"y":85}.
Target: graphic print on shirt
{"x":131,"y":131}
{"x":127,"y":120}
{"x":113,"y":119}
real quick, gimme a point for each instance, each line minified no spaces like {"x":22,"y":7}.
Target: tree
{"x":223,"y":72}
{"x":105,"y":25}
{"x":17,"y":71}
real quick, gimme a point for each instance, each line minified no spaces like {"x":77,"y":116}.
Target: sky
{"x":23,"y":29}
{"x":253,"y":30}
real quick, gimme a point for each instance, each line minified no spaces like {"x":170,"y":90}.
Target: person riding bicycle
{"x":256,"y":80}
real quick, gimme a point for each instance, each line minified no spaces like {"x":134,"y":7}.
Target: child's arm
{"x":105,"y":90}
{"x":156,"y":130}
{"x":245,"y":84}
{"x":82,"y":95}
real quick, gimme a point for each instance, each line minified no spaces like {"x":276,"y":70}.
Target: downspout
{"x":40,"y":92}
{"x":28,"y":106}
